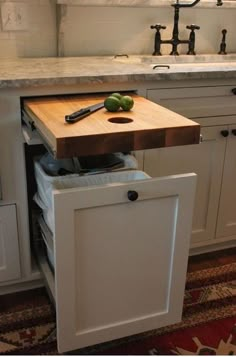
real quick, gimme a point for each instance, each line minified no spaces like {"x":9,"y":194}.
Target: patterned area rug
{"x":27,"y":322}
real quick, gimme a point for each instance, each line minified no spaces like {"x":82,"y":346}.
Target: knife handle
{"x":73,"y":118}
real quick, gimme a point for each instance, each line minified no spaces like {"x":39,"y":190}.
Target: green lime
{"x":116,"y":95}
{"x":126,"y":103}
{"x":112,"y":104}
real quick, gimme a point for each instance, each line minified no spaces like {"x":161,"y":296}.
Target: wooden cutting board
{"x":146,"y":126}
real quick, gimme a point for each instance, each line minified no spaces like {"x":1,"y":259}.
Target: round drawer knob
{"x":233,"y":91}
{"x":224,"y":133}
{"x":234,"y":132}
{"x":132,"y":195}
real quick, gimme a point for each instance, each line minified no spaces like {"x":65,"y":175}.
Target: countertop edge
{"x":116,"y":78}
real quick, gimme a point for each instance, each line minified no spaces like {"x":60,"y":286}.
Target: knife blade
{"x":82,"y":113}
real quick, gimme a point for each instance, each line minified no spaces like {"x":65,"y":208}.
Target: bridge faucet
{"x":175,"y":41}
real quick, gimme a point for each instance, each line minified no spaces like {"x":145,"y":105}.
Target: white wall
{"x":111,"y":30}
{"x":39,"y":39}
{"x":105,"y":31}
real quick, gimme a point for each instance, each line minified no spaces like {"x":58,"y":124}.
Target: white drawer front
{"x":196,"y":102}
{"x":120,"y":265}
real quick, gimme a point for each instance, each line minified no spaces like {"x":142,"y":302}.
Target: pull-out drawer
{"x":146,"y":126}
{"x":120,"y":246}
{"x":195,"y":102}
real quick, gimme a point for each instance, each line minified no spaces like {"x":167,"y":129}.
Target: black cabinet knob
{"x":233,"y":91}
{"x":132,"y":195}
{"x":224,"y":133}
{"x":233,"y":132}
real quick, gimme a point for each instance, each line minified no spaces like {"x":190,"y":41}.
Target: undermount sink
{"x":177,"y":60}
{"x":195,"y":67}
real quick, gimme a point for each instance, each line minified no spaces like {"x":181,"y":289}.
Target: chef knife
{"x":82,"y":113}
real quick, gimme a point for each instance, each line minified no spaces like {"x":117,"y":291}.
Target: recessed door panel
{"x":120,"y":264}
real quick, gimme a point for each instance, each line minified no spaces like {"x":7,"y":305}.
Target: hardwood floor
{"x":213,"y":259}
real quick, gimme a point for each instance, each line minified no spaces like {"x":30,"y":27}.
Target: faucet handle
{"x":193,"y":27}
{"x":157,"y":47}
{"x":191,"y":41}
{"x":158,"y":27}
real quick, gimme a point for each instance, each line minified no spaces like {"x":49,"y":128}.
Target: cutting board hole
{"x":120,"y":120}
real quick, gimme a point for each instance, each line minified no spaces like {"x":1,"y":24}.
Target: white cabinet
{"x":15,"y":238}
{"x":0,"y":189}
{"x":120,"y":265}
{"x":196,"y":102}
{"x":206,"y":160}
{"x":214,"y":220}
{"x":120,"y":240}
{"x":9,"y":249}
{"x":226,"y":225}
{"x":120,"y":248}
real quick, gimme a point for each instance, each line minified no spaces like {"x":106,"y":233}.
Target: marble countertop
{"x":36,"y":72}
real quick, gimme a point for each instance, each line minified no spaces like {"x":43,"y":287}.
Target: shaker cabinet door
{"x":206,"y":160}
{"x":226,"y":225}
{"x":121,"y":255}
{"x":9,"y":248}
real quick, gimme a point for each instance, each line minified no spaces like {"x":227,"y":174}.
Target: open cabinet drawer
{"x":120,"y":255}
{"x":120,"y":245}
{"x":146,"y":126}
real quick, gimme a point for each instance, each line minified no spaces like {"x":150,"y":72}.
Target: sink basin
{"x":182,"y":59}
{"x":181,"y":64}
{"x":194,"y":67}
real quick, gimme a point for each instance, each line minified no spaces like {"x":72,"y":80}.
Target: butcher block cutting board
{"x":146,"y":126}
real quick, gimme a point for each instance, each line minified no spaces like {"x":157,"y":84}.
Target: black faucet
{"x":175,"y":41}
{"x":223,"y":43}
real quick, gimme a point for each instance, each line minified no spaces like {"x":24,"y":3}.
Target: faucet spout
{"x":195,"y":2}
{"x":178,"y":5}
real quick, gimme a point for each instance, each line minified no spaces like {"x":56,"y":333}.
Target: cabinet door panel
{"x":9,"y":249}
{"x":206,"y":160}
{"x":120,"y":266}
{"x":226,"y":225}
{"x":196,"y":102}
